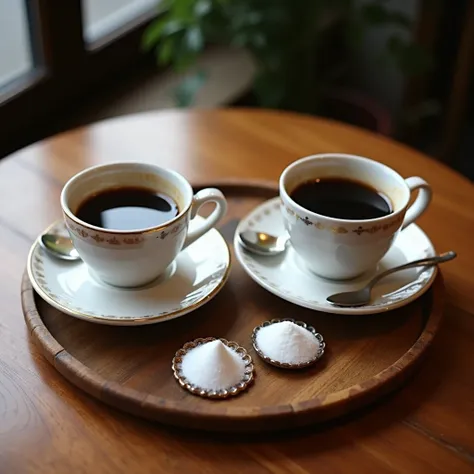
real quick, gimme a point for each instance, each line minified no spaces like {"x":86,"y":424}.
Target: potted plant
{"x":301,"y":48}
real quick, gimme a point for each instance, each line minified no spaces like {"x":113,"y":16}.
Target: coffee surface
{"x":341,"y":198}
{"x":128,"y":208}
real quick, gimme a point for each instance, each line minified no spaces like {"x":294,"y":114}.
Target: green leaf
{"x":194,"y":39}
{"x":183,"y":10}
{"x":259,"y":40}
{"x":184,"y":56}
{"x":160,"y":29}
{"x":239,"y":40}
{"x":254,"y":18}
{"x":165,"y":51}
{"x":172,"y":27}
{"x":152,"y":33}
{"x":184,"y":61}
{"x":186,"y":91}
{"x":202,"y":7}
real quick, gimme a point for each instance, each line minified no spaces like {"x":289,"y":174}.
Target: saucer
{"x":287,"y":276}
{"x":194,"y":278}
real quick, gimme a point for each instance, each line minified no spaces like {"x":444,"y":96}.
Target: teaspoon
{"x":262,"y":243}
{"x":59,"y":246}
{"x":362,"y":297}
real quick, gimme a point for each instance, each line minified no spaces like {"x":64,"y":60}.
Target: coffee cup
{"x":136,"y":256}
{"x":344,"y":248}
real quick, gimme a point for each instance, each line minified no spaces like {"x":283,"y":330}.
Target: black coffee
{"x":127,"y":209}
{"x":342,"y":198}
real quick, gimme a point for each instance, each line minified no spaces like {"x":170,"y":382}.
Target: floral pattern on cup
{"x":340,"y":229}
{"x":106,"y":238}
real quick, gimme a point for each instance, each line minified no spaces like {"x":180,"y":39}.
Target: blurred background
{"x":401,"y":68}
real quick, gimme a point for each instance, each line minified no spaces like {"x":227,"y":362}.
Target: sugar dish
{"x":289,"y":344}
{"x":204,"y":370}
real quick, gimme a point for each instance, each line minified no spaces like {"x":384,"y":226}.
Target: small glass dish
{"x":284,"y":365}
{"x":247,"y":379}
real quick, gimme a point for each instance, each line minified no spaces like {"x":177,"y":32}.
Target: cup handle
{"x":421,"y":202}
{"x":197,"y":229}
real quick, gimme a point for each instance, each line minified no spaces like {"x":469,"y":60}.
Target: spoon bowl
{"x":262,"y":243}
{"x":59,"y":246}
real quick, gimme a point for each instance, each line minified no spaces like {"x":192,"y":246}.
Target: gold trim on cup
{"x":339,"y":229}
{"x":87,"y":235}
{"x":68,"y":212}
{"x":148,"y":230}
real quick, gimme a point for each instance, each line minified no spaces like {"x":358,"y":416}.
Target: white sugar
{"x":287,"y":342}
{"x":213,"y":366}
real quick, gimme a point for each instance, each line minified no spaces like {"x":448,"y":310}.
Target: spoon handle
{"x":444,"y":257}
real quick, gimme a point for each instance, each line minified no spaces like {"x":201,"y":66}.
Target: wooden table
{"x":49,"y":426}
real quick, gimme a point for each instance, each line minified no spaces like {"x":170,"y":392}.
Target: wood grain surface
{"x":47,"y":425}
{"x":130,"y":367}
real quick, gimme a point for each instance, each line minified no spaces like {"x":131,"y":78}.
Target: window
{"x":15,"y":51}
{"x":52,"y":52}
{"x":103,"y":17}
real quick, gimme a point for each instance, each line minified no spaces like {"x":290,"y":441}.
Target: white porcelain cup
{"x":340,"y":248}
{"x":136,"y":257}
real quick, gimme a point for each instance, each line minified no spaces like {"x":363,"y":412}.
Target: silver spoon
{"x":262,"y":243}
{"x":362,"y":297}
{"x":59,"y":246}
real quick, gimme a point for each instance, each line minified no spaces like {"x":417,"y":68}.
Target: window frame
{"x":65,"y":67}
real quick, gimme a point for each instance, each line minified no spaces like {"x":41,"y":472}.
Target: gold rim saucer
{"x":36,"y":273}
{"x":284,"y":365}
{"x":215,"y":394}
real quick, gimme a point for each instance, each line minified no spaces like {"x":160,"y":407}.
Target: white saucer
{"x":194,"y":278}
{"x":287,"y":277}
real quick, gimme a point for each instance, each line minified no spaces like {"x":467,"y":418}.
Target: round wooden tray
{"x":130,"y":367}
